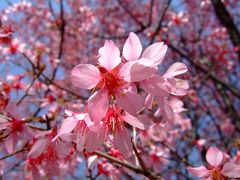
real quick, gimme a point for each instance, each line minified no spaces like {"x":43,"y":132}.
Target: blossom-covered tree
{"x":120,"y":89}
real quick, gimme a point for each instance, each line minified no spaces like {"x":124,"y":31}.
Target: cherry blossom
{"x":117,"y":90}
{"x":218,"y":167}
{"x":13,"y":131}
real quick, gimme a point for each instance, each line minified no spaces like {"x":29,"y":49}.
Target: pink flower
{"x":137,"y":69}
{"x":162,"y":87}
{"x":116,"y":99}
{"x":14,"y":131}
{"x":218,"y":168}
{"x":107,"y":170}
{"x":47,"y":154}
{"x":51,"y":149}
{"x":157,"y":159}
{"x":90,"y":136}
{"x":5,"y":38}
{"x":113,"y":126}
{"x":114,"y":76}
{"x":108,"y":78}
{"x":6,"y":35}
{"x":178,"y":19}
{"x":178,"y":87}
{"x":85,"y":132}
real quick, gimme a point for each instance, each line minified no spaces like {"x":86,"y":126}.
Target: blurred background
{"x":50,"y":37}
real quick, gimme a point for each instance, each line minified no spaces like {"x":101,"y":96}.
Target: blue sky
{"x":3,"y":3}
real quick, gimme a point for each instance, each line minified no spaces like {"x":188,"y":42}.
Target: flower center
{"x":217,"y":175}
{"x":155,"y":157}
{"x":113,"y":118}
{"x":33,"y":163}
{"x":51,"y":154}
{"x":17,"y":126}
{"x":111,"y":80}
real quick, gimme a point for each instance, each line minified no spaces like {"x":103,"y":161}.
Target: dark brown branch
{"x":160,"y":21}
{"x":150,"y":13}
{"x":62,"y":88}
{"x":62,"y":32}
{"x":12,"y":154}
{"x":30,"y":86}
{"x":131,"y":14}
{"x":227,"y":21}
{"x":49,"y":81}
{"x":147,"y":173}
{"x":140,"y":160}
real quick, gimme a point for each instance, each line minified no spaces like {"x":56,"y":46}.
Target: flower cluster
{"x":123,"y":87}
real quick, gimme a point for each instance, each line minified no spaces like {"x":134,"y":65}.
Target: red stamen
{"x":17,"y":126}
{"x":111,"y":80}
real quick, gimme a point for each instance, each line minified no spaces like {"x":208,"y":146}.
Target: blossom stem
{"x":145,"y":172}
{"x":11,"y":154}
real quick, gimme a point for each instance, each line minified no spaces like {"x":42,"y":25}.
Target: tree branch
{"x":227,"y":21}
{"x":131,"y":167}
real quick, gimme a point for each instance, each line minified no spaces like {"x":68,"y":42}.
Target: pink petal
{"x":94,"y":140}
{"x":141,"y":121}
{"x":179,"y":87}
{"x":90,"y":140}
{"x":201,"y":171}
{"x":88,"y":120}
{"x":155,"y":52}
{"x":129,"y":101}
{"x":3,"y":120}
{"x":91,"y":160}
{"x":177,"y":105}
{"x":178,"y":92}
{"x":10,"y":143}
{"x":81,"y":140}
{"x":98,"y":105}
{"x":149,"y":101}
{"x":176,"y":69}
{"x":156,"y":86}
{"x":42,"y":133}
{"x":122,"y":141}
{"x":38,"y":148}
{"x":231,"y":170}
{"x":5,"y":125}
{"x":79,"y":116}
{"x":109,"y":55}
{"x":125,"y":70}
{"x":214,"y":156}
{"x":132,"y":47}
{"x":180,"y":83}
{"x":69,"y":113}
{"x":166,"y":108}
{"x":85,"y":76}
{"x":53,"y":168}
{"x":135,"y":71}
{"x":62,"y":148}
{"x":67,"y":126}
{"x":90,"y":124}
{"x":35,"y":173}
{"x":70,"y":137}
{"x":131,"y":87}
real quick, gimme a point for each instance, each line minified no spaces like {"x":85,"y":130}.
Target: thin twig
{"x":12,"y":154}
{"x":160,"y":21}
{"x":140,"y":160}
{"x":147,"y":173}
